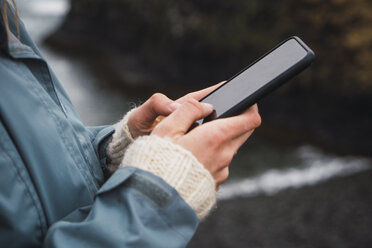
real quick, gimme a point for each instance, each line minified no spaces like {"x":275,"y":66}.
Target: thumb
{"x":157,"y":104}
{"x":181,"y":120}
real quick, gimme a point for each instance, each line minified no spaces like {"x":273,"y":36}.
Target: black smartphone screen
{"x":268,"y":72}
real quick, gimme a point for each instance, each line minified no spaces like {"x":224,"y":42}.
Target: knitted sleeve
{"x":178,"y":167}
{"x":121,"y":139}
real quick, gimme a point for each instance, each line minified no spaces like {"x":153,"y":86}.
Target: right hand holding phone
{"x":215,"y":143}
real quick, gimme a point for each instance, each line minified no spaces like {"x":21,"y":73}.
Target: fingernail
{"x":208,"y":105}
{"x":174,"y":106}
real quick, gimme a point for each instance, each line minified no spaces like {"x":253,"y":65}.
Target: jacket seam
{"x":47,"y":77}
{"x":39,"y":210}
{"x":91,"y":184}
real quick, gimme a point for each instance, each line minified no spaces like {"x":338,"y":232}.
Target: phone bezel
{"x":270,"y":86}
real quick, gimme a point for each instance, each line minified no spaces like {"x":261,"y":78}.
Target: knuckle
{"x":225,"y":160}
{"x":210,"y":141}
{"x":228,"y":159}
{"x":257,"y":120}
{"x":217,"y":137}
{"x":220,"y":137}
{"x":223,"y":175}
{"x":253,"y":121}
{"x":195,"y":105}
{"x":156,"y":97}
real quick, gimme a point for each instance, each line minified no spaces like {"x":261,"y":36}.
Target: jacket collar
{"x":11,"y":45}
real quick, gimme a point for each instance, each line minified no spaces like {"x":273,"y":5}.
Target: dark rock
{"x":336,"y":213}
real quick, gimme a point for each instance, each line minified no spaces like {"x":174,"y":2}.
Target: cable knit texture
{"x":178,"y":167}
{"x":121,"y":139}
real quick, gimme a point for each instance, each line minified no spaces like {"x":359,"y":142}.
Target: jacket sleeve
{"x":133,"y":208}
{"x":111,"y":142}
{"x":100,"y":137}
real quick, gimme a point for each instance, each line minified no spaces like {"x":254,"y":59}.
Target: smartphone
{"x":267,"y":73}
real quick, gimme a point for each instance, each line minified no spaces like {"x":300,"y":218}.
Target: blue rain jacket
{"x":54,"y":189}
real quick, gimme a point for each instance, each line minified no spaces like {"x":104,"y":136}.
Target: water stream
{"x":259,"y":168}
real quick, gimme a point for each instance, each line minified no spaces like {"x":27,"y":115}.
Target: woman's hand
{"x":142,"y":118}
{"x":214,"y":143}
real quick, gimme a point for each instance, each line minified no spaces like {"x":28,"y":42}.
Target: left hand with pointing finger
{"x":142,"y":118}
{"x":140,"y":121}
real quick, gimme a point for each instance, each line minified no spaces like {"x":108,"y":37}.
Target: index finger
{"x":233,"y":127}
{"x":181,"y":120}
{"x":197,"y":95}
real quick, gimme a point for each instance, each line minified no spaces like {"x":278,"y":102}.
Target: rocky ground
{"x":336,"y":213}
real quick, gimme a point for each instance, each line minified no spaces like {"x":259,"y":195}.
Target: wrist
{"x":120,"y":141}
{"x":178,"y":167}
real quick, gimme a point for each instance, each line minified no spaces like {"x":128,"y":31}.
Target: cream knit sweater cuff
{"x":121,"y":139}
{"x":178,"y":167}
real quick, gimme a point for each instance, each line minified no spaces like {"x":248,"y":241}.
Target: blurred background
{"x":304,"y":179}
